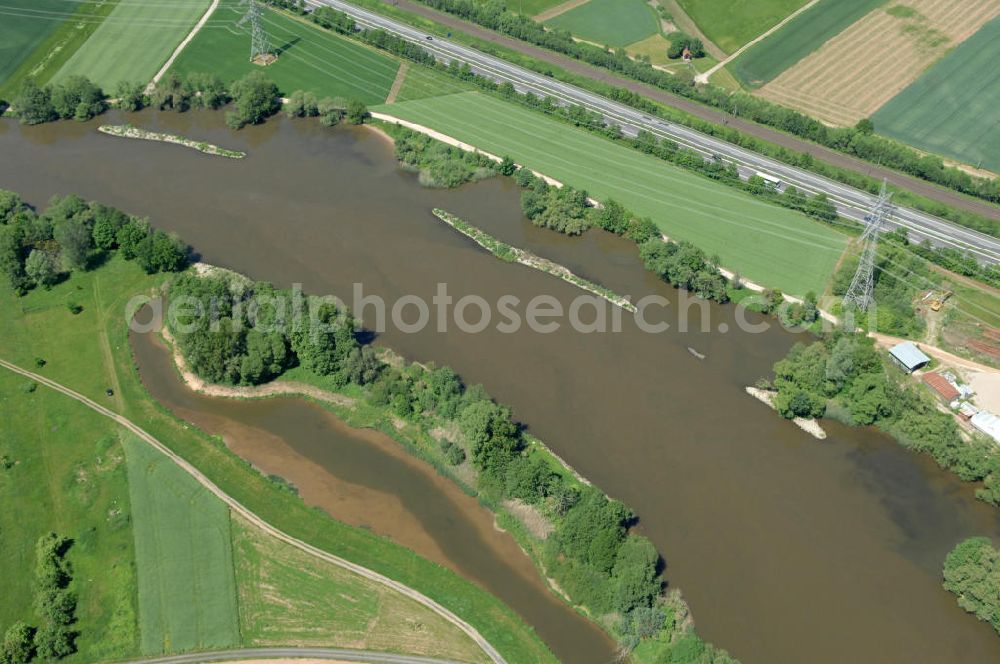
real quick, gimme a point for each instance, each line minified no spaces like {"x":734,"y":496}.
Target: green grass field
{"x":37,"y":37}
{"x":733,"y":23}
{"x":532,"y":7}
{"x":953,"y":109}
{"x":67,"y":475}
{"x":798,"y":38}
{"x":423,"y":82}
{"x":134,"y":41}
{"x":183,"y":551}
{"x":609,"y":22}
{"x":25,"y":25}
{"x":768,"y":244}
{"x":311,"y":58}
{"x":290,"y":598}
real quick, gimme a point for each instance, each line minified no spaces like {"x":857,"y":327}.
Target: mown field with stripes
{"x":309,"y":57}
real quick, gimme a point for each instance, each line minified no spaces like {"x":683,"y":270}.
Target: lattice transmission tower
{"x":860,"y":292}
{"x":260,"y":47}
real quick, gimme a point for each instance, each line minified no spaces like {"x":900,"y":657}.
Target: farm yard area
{"x":763,"y":242}
{"x":853,"y":74}
{"x":731,"y":24}
{"x":134,"y":41}
{"x":954,"y":108}
{"x":309,"y":57}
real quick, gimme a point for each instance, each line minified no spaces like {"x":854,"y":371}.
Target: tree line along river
{"x":787,"y":549}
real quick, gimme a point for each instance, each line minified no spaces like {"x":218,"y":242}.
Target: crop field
{"x":62,"y":470}
{"x":855,"y":73}
{"x":38,"y":36}
{"x":768,"y":244}
{"x":187,"y":589}
{"x":532,"y":7}
{"x":134,"y":41}
{"x":798,"y":38}
{"x":25,"y":25}
{"x":310,"y":58}
{"x":954,"y":108}
{"x":733,"y":23}
{"x":609,"y":22}
{"x":290,"y":598}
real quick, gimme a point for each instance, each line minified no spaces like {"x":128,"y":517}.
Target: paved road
{"x":244,"y":512}
{"x":851,"y":203}
{"x":289,"y":653}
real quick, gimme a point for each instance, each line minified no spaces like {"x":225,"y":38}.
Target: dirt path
{"x":180,"y":47}
{"x":552,"y":12}
{"x":703,"y":78}
{"x":109,"y":362}
{"x":938,"y":354}
{"x":839,"y":159}
{"x":397,"y":84}
{"x":255,"y":520}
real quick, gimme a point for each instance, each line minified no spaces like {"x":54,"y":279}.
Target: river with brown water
{"x":788,"y":549}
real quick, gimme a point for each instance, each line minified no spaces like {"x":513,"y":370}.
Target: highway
{"x":851,"y":203}
{"x":338,"y":654}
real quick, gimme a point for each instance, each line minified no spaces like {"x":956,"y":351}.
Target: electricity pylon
{"x":860,"y":294}
{"x":260,"y":48}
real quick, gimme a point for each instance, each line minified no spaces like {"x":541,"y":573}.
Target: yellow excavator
{"x":938,"y":301}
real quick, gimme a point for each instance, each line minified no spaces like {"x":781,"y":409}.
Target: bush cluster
{"x":440,"y":165}
{"x":972,"y":572}
{"x":55,"y":607}
{"x":39,"y":249}
{"x":77,"y":98}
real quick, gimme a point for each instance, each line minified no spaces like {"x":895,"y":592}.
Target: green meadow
{"x":309,"y":57}
{"x":609,"y":22}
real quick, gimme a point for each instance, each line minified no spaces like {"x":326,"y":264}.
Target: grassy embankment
{"x":798,"y":38}
{"x":732,"y":23}
{"x":37,"y":37}
{"x":134,"y":41}
{"x":954,"y":107}
{"x":609,"y":22}
{"x":767,"y":244}
{"x":90,"y":352}
{"x":309,"y":57}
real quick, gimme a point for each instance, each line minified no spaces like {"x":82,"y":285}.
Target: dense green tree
{"x":41,"y":268}
{"x":78,"y":97}
{"x":330,"y":111}
{"x":492,"y":436}
{"x":161,"y":252}
{"x":34,"y":104}
{"x":131,"y":96}
{"x":357,"y":112}
{"x":18,"y":644}
{"x":972,"y":572}
{"x":254,"y":99}
{"x":76,"y":241}
{"x":107,"y":222}
{"x":131,"y":235}
{"x":302,"y":104}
